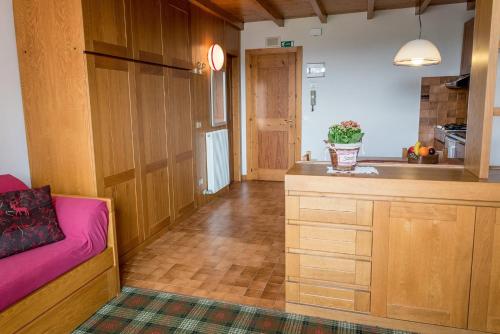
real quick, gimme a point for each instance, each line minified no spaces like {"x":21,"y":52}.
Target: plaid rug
{"x":146,"y":311}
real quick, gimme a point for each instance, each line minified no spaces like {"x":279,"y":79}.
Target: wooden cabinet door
{"x":421,"y":263}
{"x":111,"y":84}
{"x":484,"y":310}
{"x":152,"y":119}
{"x":176,"y":34}
{"x":147,"y":25}
{"x":107,"y":27}
{"x":179,"y":113}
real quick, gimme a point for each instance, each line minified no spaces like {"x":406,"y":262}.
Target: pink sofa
{"x":84,"y":222}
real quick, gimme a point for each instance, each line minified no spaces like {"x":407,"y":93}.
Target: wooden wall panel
{"x":482,"y":87}
{"x":47,"y":90}
{"x":147,"y":29}
{"x":176,"y":32}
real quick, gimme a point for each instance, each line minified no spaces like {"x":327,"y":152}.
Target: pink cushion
{"x":10,"y":183}
{"x":84,"y":222}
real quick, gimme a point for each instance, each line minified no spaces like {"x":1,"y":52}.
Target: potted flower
{"x":344,"y":142}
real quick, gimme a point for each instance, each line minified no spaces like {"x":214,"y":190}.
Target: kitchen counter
{"x":394,"y":180}
{"x":414,"y":248}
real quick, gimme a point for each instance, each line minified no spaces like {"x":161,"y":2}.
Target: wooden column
{"x":482,"y":87}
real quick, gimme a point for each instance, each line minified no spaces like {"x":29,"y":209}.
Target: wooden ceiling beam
{"x":370,"y":12}
{"x":423,"y":6}
{"x":319,"y":10}
{"x":212,"y":8}
{"x":271,"y":12}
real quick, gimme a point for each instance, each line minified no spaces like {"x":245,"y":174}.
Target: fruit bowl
{"x":429,"y":159}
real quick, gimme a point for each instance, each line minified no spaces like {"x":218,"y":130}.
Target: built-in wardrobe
{"x":106,"y":89}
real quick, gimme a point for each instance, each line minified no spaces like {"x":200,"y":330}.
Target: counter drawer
{"x":330,"y":210}
{"x":329,"y":297}
{"x":334,"y":240}
{"x":332,"y":269}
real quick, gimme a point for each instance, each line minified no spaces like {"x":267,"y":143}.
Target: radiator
{"x":217,"y":160}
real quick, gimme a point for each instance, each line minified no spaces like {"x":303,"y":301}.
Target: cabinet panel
{"x":422,"y":263}
{"x":335,"y":240}
{"x":176,"y":34}
{"x":335,"y":210}
{"x":153,"y":123}
{"x":107,"y":27}
{"x":485,"y":290}
{"x":180,"y":139}
{"x":329,"y":297}
{"x":114,"y":123}
{"x":128,"y":227}
{"x":332,"y":269}
{"x":147,"y":28}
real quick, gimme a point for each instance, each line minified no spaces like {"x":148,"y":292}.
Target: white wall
{"x":13,"y":150}
{"x":361,"y":82}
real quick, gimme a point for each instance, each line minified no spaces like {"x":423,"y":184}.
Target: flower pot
{"x":344,"y":156}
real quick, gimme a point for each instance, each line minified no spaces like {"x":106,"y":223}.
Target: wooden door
{"x":111,"y":86}
{"x":484,"y":310}
{"x":272,"y":115}
{"x":422,"y":257}
{"x":153,"y":122}
{"x":147,"y":29}
{"x":176,"y":34}
{"x":107,"y":27}
{"x":178,"y":83}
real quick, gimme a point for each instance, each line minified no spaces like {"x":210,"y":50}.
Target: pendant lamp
{"x":419,"y":52}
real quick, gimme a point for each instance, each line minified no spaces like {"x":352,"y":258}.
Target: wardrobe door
{"x":176,"y":37}
{"x":111,"y":86}
{"x":179,"y":112}
{"x":153,"y":121}
{"x":147,"y":21}
{"x":107,"y":27}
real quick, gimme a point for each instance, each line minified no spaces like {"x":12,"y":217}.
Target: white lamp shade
{"x":216,"y":57}
{"x":418,"y":52}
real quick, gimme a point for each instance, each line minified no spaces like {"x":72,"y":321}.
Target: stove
{"x":458,"y":130}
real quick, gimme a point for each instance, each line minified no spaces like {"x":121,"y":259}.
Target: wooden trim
{"x":319,"y":10}
{"x":72,"y":288}
{"x":219,"y":12}
{"x":113,"y":180}
{"x":271,"y":12}
{"x":183,"y":156}
{"x":370,"y":12}
{"x":236,"y":98}
{"x":249,"y":101}
{"x":423,"y":7}
{"x":154,"y":166}
{"x":496,"y":111}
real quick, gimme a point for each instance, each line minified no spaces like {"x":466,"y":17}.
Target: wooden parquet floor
{"x":232,"y":249}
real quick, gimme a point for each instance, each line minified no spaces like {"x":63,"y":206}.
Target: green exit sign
{"x":287,"y":44}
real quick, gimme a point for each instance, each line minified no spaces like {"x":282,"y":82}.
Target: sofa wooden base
{"x":366,"y":319}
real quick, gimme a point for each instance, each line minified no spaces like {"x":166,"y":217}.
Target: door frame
{"x":251,"y":174}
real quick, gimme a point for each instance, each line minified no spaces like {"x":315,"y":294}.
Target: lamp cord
{"x":420,"y":18}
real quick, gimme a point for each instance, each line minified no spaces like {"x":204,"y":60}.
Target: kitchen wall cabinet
{"x":467,"y":47}
{"x":147,"y":28}
{"x":108,"y":27}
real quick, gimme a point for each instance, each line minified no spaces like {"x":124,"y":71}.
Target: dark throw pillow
{"x":27,"y":220}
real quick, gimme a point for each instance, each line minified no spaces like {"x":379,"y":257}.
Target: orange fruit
{"x":423,"y":151}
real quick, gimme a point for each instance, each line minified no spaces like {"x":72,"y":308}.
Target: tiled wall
{"x":440,"y":105}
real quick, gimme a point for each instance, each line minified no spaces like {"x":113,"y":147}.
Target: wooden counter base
{"x":366,"y":319}
{"x":409,"y":248}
